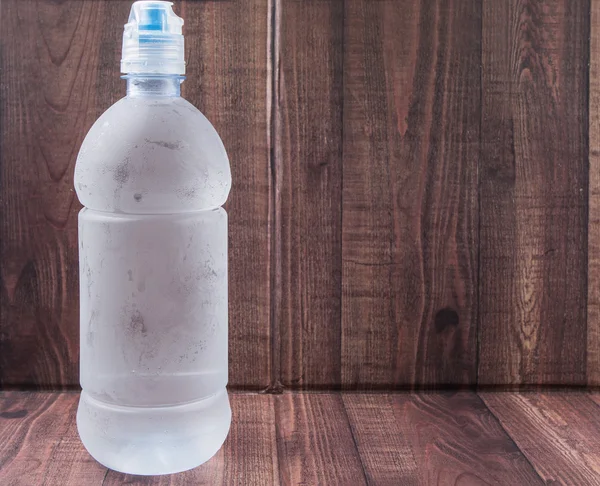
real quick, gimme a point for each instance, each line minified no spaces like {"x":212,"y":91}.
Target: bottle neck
{"x":153,"y":85}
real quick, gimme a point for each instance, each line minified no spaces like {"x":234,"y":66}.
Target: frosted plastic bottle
{"x":152,"y":174}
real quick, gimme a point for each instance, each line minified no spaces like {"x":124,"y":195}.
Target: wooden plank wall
{"x":533,"y":193}
{"x":410,"y":205}
{"x":593,"y":314}
{"x":409,"y":232}
{"x":60,"y":71}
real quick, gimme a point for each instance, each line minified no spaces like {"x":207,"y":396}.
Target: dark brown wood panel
{"x":39,"y":442}
{"x":533,"y":188}
{"x":308,"y":142}
{"x":411,"y":142}
{"x":59,"y":72}
{"x":48,"y":71}
{"x":249,"y":455}
{"x":353,"y":130}
{"x":382,"y":443}
{"x":227,"y":69}
{"x":315,"y":441}
{"x":109,"y":86}
{"x":558,"y":432}
{"x":593,"y":308}
{"x":456,"y":440}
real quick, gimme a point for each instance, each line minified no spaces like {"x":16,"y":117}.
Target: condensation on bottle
{"x":152,"y":174}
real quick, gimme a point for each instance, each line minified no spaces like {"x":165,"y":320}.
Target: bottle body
{"x":152,"y":174}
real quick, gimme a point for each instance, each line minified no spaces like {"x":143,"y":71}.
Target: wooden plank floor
{"x":351,"y":439}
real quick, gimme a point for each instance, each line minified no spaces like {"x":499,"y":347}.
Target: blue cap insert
{"x":152,"y":40}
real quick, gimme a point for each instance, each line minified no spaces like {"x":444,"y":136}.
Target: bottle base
{"x":153,"y":440}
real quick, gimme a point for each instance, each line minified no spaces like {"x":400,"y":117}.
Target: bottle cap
{"x":152,"y":40}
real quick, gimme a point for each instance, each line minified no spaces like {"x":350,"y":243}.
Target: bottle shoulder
{"x":152,"y":155}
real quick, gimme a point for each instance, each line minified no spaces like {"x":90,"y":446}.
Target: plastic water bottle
{"x":153,"y":174}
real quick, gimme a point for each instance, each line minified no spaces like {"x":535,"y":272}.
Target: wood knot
{"x":446,"y":317}
{"x":16,"y":414}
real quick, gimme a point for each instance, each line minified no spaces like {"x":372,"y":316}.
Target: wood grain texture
{"x":59,"y":72}
{"x":382,"y":443}
{"x":456,"y":440}
{"x":249,"y":455}
{"x":226,"y":53}
{"x":437,"y":439}
{"x":305,"y":438}
{"x":558,"y":432}
{"x":533,"y":188}
{"x":593,"y":295}
{"x":315,"y":442}
{"x":595,"y":396}
{"x":308,"y":147}
{"x":39,"y":442}
{"x":411,"y":142}
{"x":354,"y":130}
{"x":49,"y":62}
